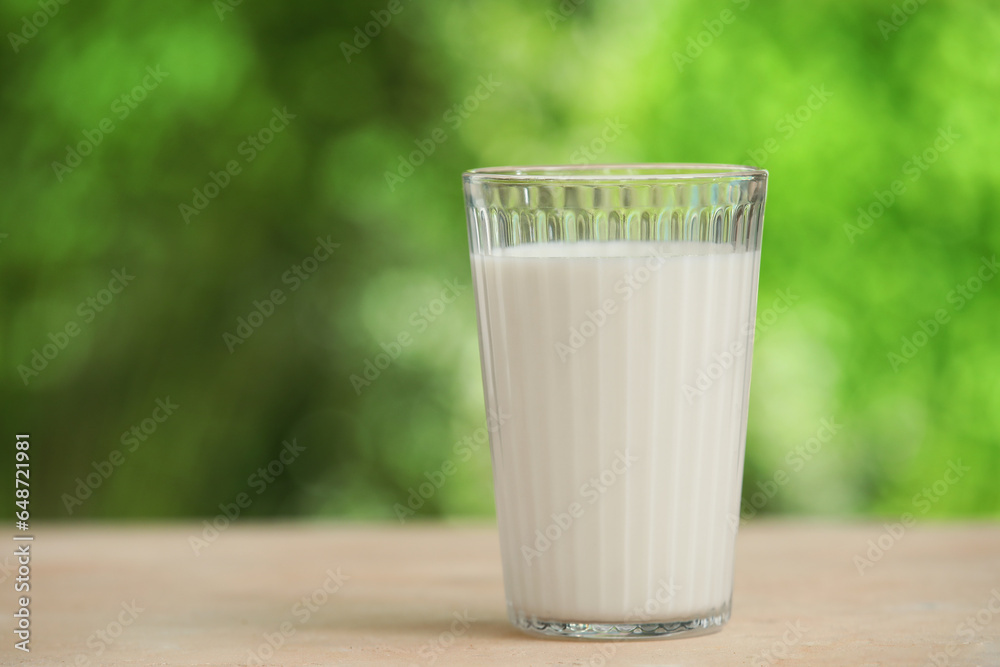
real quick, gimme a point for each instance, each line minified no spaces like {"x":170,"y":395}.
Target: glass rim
{"x":662,"y":172}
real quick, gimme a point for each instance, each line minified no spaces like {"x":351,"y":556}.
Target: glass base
{"x":694,"y":627}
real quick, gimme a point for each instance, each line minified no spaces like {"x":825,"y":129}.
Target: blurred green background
{"x":208,"y":149}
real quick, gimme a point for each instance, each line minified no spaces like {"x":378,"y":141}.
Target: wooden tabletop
{"x":431,"y":594}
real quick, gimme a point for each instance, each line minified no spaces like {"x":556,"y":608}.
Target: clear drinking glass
{"x":616,"y":309}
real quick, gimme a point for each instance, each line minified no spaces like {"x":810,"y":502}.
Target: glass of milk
{"x":616,"y":309}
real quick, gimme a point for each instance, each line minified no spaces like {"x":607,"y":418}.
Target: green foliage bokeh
{"x":681,"y":81}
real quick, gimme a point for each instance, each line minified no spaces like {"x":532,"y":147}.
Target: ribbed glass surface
{"x":544,"y":209}
{"x":616,"y":325}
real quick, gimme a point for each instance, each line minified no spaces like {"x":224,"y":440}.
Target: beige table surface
{"x":120,"y":594}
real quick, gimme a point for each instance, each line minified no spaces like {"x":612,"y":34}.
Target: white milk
{"x":621,"y":373}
